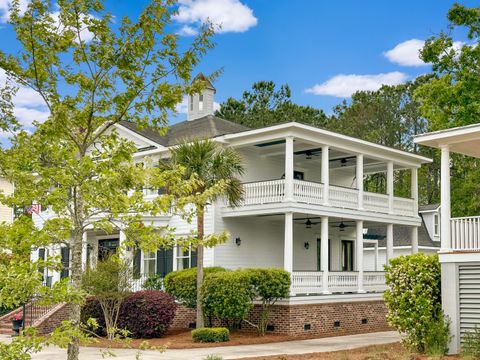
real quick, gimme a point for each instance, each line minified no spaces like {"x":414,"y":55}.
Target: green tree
{"x":212,"y":166}
{"x":264,"y":105}
{"x":452,"y":98}
{"x":92,"y":71}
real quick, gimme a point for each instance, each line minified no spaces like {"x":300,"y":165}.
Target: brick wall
{"x":47,"y":324}
{"x":329,"y":319}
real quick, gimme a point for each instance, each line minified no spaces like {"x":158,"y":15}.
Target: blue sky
{"x":323,"y":49}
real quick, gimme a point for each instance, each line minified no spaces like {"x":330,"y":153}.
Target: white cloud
{"x":345,"y":85}
{"x":230,"y":15}
{"x":187,"y":31}
{"x":407,"y":53}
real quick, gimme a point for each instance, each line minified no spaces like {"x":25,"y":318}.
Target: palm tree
{"x":210,"y":164}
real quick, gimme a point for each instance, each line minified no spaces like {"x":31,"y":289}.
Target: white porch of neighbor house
{"x":324,"y":255}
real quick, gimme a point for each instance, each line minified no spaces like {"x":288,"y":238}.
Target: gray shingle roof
{"x":208,"y":126}
{"x":428,"y":207}
{"x":401,"y":236}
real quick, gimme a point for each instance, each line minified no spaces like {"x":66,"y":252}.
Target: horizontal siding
{"x":469,"y":297}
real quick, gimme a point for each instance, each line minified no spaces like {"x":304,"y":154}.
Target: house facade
{"x":460,"y":238}
{"x":304,"y":210}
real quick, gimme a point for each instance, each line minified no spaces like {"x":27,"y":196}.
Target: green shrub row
{"x":210,"y":335}
{"x":228,"y":295}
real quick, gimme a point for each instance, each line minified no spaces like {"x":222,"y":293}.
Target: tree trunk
{"x":76,"y":279}
{"x":200,"y":232}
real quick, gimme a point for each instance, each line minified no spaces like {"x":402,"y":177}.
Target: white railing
{"x":264,"y":192}
{"x":136,"y":283}
{"x":374,"y":281}
{"x":273,"y":191}
{"x":403,"y":206}
{"x":342,"y":281}
{"x":465,"y":233}
{"x":307,"y":282}
{"x":308,"y":192}
{"x":376,"y":202}
{"x":311,"y":282}
{"x":343,"y":197}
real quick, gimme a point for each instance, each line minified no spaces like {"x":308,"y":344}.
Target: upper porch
{"x":295,"y":165}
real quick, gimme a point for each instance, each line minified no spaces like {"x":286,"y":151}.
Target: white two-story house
{"x":304,"y":210}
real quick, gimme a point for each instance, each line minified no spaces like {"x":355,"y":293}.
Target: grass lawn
{"x":378,"y":352}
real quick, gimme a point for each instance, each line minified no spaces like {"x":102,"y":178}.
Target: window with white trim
{"x":186,"y":258}
{"x":436,"y":225}
{"x":200,"y":102}
{"x":149,"y":263}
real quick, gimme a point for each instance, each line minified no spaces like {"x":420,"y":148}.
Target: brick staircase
{"x":6,"y":322}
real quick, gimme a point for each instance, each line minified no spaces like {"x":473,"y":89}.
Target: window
{"x":200,"y":102}
{"x":436,"y":225}
{"x":186,"y":258}
{"x":150,"y":263}
{"x":191,"y":103}
{"x":65,"y":259}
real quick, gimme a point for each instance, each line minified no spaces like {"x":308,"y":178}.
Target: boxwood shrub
{"x":182,"y":284}
{"x":147,"y":314}
{"x":228,"y":296}
{"x":207,"y":335}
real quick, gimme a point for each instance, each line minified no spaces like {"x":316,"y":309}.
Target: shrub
{"x":213,"y":357}
{"x":154,"y":282}
{"x":437,"y":337}
{"x":413,"y":297}
{"x":269,"y":286}
{"x":92,"y":310}
{"x":147,"y":314}
{"x":228,"y":296}
{"x":182,"y":284}
{"x":207,"y":335}
{"x":471,"y":344}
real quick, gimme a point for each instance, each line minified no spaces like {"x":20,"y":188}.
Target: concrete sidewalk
{"x":240,"y":351}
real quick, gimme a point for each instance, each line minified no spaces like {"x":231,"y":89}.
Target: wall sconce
{"x":306,"y":245}
{"x":238,"y":241}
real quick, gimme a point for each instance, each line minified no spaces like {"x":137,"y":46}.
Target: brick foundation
{"x":52,"y":320}
{"x":326,"y":319}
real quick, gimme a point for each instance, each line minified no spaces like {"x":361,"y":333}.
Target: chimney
{"x":200,"y":105}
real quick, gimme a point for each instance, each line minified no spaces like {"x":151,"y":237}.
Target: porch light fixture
{"x":308,"y":224}
{"x":306,"y":245}
{"x":238,"y":241}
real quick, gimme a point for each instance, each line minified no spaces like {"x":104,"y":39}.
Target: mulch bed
{"x":377,"y":352}
{"x":182,"y":339}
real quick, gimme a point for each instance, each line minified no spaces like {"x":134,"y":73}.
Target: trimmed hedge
{"x":182,"y":284}
{"x":147,"y":314}
{"x":209,"y":335}
{"x":228,"y":296}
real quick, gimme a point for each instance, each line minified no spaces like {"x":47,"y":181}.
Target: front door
{"x":107,"y":248}
{"x":347,"y":255}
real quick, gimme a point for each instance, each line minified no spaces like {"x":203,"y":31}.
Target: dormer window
{"x":436,"y":225}
{"x":200,"y":102}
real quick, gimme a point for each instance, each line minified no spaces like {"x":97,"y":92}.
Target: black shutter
{"x":164,"y":262}
{"x":65,"y":253}
{"x":41,"y":256}
{"x":193,"y":255}
{"x":137,"y":258}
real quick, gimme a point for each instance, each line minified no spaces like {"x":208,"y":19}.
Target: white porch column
{"x":390,"y":186}
{"x":389,"y":242}
{"x":359,"y":180}
{"x":376,"y":256}
{"x":414,"y":190}
{"x":324,"y":252}
{"x":84,"y":251}
{"x":414,"y":236}
{"x":359,"y":248}
{"x":174,"y":260}
{"x":289,"y":168}
{"x":288,"y":243}
{"x":445,"y":242}
{"x":325,"y":176}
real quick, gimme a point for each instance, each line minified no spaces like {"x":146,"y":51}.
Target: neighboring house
{"x":460,"y":237}
{"x":304,"y":210}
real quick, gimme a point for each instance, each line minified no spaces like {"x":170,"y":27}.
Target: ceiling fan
{"x":309,"y":153}
{"x":308,"y":221}
{"x":341,"y":226}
